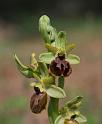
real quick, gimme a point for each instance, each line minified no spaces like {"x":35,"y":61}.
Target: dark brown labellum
{"x":38,"y":102}
{"x":60,"y":67}
{"x":67,"y":121}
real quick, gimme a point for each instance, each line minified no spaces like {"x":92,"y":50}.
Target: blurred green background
{"x":82,"y":19}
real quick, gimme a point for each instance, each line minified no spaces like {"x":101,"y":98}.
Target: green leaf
{"x":70,"y":47}
{"x":46,"y":57}
{"x":55,"y":91}
{"x":59,"y":120}
{"x":61,"y":39}
{"x":25,"y":70}
{"x":81,"y":119}
{"x":74,"y":103}
{"x":73,"y":59}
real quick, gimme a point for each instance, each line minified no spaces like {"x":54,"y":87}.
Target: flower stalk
{"x":53,"y":107}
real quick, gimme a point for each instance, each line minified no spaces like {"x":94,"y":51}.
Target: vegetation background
{"x":82,"y":19}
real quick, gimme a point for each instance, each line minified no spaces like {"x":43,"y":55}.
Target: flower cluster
{"x":49,"y":72}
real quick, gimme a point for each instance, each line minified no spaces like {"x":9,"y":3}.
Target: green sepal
{"x":46,"y":57}
{"x":51,"y":48}
{"x":74,"y":103}
{"x":60,"y":119}
{"x":26,"y":70}
{"x":81,"y":119}
{"x":61,"y":42}
{"x":55,"y":92}
{"x":70,"y":47}
{"x":73,"y":59}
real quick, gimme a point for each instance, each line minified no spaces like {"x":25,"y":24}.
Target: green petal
{"x":59,"y":120}
{"x":74,"y":103}
{"x":70,"y":47}
{"x":55,"y":91}
{"x":46,"y":57}
{"x":81,"y":119}
{"x":73,"y":59}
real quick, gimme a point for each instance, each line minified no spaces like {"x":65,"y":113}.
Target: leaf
{"x":81,"y":119}
{"x":46,"y":57}
{"x":73,"y":59}
{"x":55,"y":91}
{"x":70,"y":47}
{"x":59,"y":120}
{"x":74,"y":103}
{"x":25,"y":70}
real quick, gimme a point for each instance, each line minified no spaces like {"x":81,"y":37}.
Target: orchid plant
{"x":49,"y":72}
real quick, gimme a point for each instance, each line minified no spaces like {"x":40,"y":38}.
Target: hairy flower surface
{"x":60,"y":67}
{"x":38,"y":101}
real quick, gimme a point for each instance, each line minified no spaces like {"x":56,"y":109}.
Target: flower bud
{"x":70,"y":121}
{"x":60,"y":67}
{"x":38,"y":102}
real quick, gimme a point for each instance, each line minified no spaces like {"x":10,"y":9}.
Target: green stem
{"x":61,"y":82}
{"x":53,"y":103}
{"x":53,"y":109}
